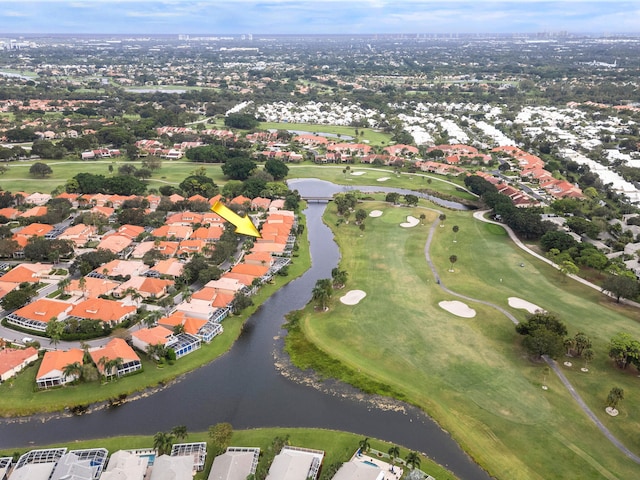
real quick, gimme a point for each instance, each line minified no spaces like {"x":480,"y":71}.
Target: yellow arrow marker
{"x":244,"y":225}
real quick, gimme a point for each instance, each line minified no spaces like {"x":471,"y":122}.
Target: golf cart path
{"x":585,"y":408}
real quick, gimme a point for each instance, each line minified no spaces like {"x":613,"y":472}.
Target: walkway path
{"x":480,"y":216}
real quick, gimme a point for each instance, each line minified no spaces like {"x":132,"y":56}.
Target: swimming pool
{"x":370,"y":463}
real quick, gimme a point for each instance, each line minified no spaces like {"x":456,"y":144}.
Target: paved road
{"x":554,"y":366}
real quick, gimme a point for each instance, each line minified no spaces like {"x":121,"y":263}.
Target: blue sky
{"x":318,"y":16}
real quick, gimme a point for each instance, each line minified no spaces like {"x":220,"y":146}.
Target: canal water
{"x":244,"y":388}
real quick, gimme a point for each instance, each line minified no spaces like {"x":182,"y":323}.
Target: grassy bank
{"x":338,"y":446}
{"x":19,"y":396}
{"x":471,"y":374}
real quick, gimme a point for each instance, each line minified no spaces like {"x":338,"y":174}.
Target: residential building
{"x":13,"y":360}
{"x":237,"y":463}
{"x":36,"y":315}
{"x":51,"y":371}
{"x":172,"y":468}
{"x":117,"y":348}
{"x":125,"y":465}
{"x":108,"y":311}
{"x":294,"y":463}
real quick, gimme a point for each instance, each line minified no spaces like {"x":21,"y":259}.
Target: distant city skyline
{"x":210,"y":17}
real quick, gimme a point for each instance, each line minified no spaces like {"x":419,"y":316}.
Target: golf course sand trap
{"x":358,"y":173}
{"x":516,"y":302}
{"x":353,"y":297}
{"x":458,"y":308}
{"x":383,"y":179}
{"x":411,"y":222}
{"x":375,"y":213}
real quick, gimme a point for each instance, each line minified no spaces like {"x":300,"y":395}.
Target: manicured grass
{"x":471,"y":375}
{"x":338,"y":446}
{"x":367,"y":135}
{"x":417,"y":181}
{"x":20,"y":396}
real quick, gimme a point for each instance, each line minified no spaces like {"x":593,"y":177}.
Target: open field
{"x":17,"y":178}
{"x":367,"y":135}
{"x":471,"y":374}
{"x":18,"y":398}
{"x":338,"y":446}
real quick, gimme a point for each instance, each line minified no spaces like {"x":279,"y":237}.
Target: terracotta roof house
{"x":34,"y":212}
{"x":260,"y":203}
{"x":204,"y":329}
{"x":108,"y":311}
{"x":51,"y":371}
{"x":256,"y":271}
{"x":104,"y":211}
{"x":171,"y":267}
{"x":277,"y":204}
{"x":168,"y":248}
{"x":240,"y":200}
{"x":258,"y":258}
{"x":130,"y":231}
{"x":145,"y":337}
{"x":34,"y":230}
{"x":148,"y":287}
{"x":214,"y":199}
{"x":36,"y":315}
{"x":13,"y":360}
{"x":191,"y":246}
{"x":115,"y":243}
{"x":177,"y":232}
{"x":176,"y":198}
{"x":6,"y":287}
{"x":184,"y":218}
{"x":198,"y":198}
{"x":244,"y":279}
{"x":182,"y":343}
{"x":142,"y":248}
{"x":229,"y":286}
{"x":26,"y":272}
{"x":93,"y":287}
{"x":79,"y":234}
{"x":208,"y":234}
{"x":197,"y":309}
{"x":122,"y":268}
{"x":117,"y":348}
{"x":9,"y":212}
{"x":212,"y":218}
{"x":401,"y":149}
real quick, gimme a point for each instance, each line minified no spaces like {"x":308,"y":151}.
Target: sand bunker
{"x":375,"y":213}
{"x":383,"y":179}
{"x":411,"y":222}
{"x":353,"y":297}
{"x":516,"y":302}
{"x":458,"y":308}
{"x":358,"y":173}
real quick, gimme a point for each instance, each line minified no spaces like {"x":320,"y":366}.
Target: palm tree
{"x":73,"y":370}
{"x":64,"y":284}
{"x":588,"y":356}
{"x":455,"y":233}
{"x":322,"y":292}
{"x":152,"y":318}
{"x":394,"y":452}
{"x":442,"y":217}
{"x":453,"y":259}
{"x":178,"y":329}
{"x":339,"y":277}
{"x":180,"y":432}
{"x":82,"y":283}
{"x":54,"y":330}
{"x":111,"y":367}
{"x":364,"y":445}
{"x":422,"y":218}
{"x":412,"y":460}
{"x":162,"y":443}
{"x":615,"y":395}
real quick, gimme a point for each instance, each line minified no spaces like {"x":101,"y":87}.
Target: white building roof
{"x":172,"y":468}
{"x":358,"y":471}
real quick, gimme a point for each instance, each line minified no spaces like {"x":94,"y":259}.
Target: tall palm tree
{"x":73,"y":370}
{"x":64,"y":284}
{"x":180,"y":432}
{"x":322,"y":292}
{"x":412,"y":460}
{"x":615,"y":395}
{"x":455,"y":233}
{"x":394,"y":452}
{"x":442,"y":217}
{"x":453,"y":259}
{"x":364,"y":445}
{"x":162,"y":443}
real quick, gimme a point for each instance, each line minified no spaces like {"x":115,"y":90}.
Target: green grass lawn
{"x":417,"y":181}
{"x":471,"y":374}
{"x":338,"y":446}
{"x":19,"y":396}
{"x":367,"y":135}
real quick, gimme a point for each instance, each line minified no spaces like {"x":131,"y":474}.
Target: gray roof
{"x":358,"y":471}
